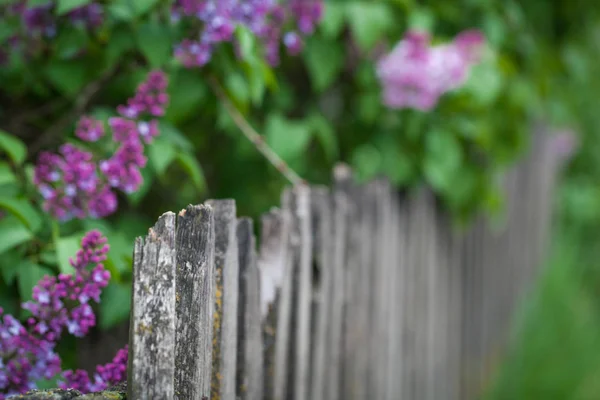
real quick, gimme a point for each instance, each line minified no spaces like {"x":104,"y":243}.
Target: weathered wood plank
{"x":296,"y":299}
{"x":152,"y":324}
{"x":271,"y":263}
{"x":250,"y":351}
{"x":323,"y":254}
{"x":396,"y":243}
{"x":226,"y":300}
{"x":195,"y":242}
{"x":284,"y":350}
{"x":341,"y":204}
{"x":384,"y":266}
{"x":301,"y":240}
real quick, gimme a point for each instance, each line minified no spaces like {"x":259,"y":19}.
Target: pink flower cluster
{"x":27,"y":350}
{"x":416,"y":74}
{"x":265,"y":18}
{"x":76,"y":184}
{"x":105,"y":376}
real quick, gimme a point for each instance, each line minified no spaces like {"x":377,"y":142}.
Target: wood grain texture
{"x":152,"y":326}
{"x":341,"y":210}
{"x":250,"y":366}
{"x":195,"y":242}
{"x":283,"y":357}
{"x":301,"y":239}
{"x":272,"y":261}
{"x":323,"y":292}
{"x":226,"y":301}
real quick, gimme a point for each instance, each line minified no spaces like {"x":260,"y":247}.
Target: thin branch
{"x":81,"y":103}
{"x":254,"y":137}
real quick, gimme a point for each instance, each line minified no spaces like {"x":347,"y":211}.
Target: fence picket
{"x":250,"y":352}
{"x":195,"y":242}
{"x":152,"y":327}
{"x":226,"y":301}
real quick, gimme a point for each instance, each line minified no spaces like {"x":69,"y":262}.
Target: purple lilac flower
{"x":415,"y":74}
{"x":265,"y":18}
{"x":89,"y":129}
{"x":27,"y":350}
{"x":105,"y":376}
{"x":150,"y":98}
{"x":40,"y":20}
{"x":91,"y":15}
{"x":76,"y":184}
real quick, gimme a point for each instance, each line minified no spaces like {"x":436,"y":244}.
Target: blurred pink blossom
{"x":415,"y":74}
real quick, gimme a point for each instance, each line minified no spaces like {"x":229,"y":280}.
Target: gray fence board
{"x":250,"y":350}
{"x":152,"y":326}
{"x":195,"y":242}
{"x":226,"y":300}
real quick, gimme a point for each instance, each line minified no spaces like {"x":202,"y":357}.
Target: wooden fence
{"x":352,"y":293}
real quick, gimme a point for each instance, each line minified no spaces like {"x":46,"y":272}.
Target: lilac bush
{"x":27,"y":350}
{"x":105,"y":376}
{"x":75,"y":183}
{"x":214,"y":22}
{"x":415,"y":74}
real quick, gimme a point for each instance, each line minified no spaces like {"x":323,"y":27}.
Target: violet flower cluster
{"x":58,"y":304}
{"x":416,"y":74}
{"x":214,"y":22}
{"x":39,"y":21}
{"x":76,"y":183}
{"x":105,"y":376}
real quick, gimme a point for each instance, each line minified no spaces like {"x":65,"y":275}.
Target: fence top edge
{"x":191,"y":207}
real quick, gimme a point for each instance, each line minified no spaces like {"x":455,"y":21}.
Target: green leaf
{"x":186,"y":89}
{"x":143,"y":6}
{"x":325,"y":134}
{"x":120,"y":42}
{"x":396,"y":164}
{"x":9,"y":266}
{"x":36,"y":3}
{"x":333,"y":20}
{"x":238,"y":89}
{"x":421,"y":19}
{"x":29,"y":275}
{"x":191,"y":165}
{"x":66,"y":248}
{"x":154,"y":41}
{"x":161,"y":153}
{"x":246,"y":41}
{"x":170,"y":133}
{"x":366,"y":161}
{"x":324,"y":60}
{"x":369,"y":22}
{"x":64,"y":6}
{"x":115,"y":304}
{"x":443,"y":158}
{"x":9,"y":300}
{"x":289,"y":139}
{"x":12,"y":233}
{"x":256,"y":79}
{"x":13,"y":146}
{"x":485,"y":82}
{"x":6,"y":174}
{"x":23,"y":210}
{"x":122,"y":10}
{"x":67,"y":76}
{"x":70,"y":42}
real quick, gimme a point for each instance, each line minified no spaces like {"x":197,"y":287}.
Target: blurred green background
{"x":315,"y":110}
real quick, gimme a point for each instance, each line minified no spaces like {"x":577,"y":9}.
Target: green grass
{"x":555,"y":353}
